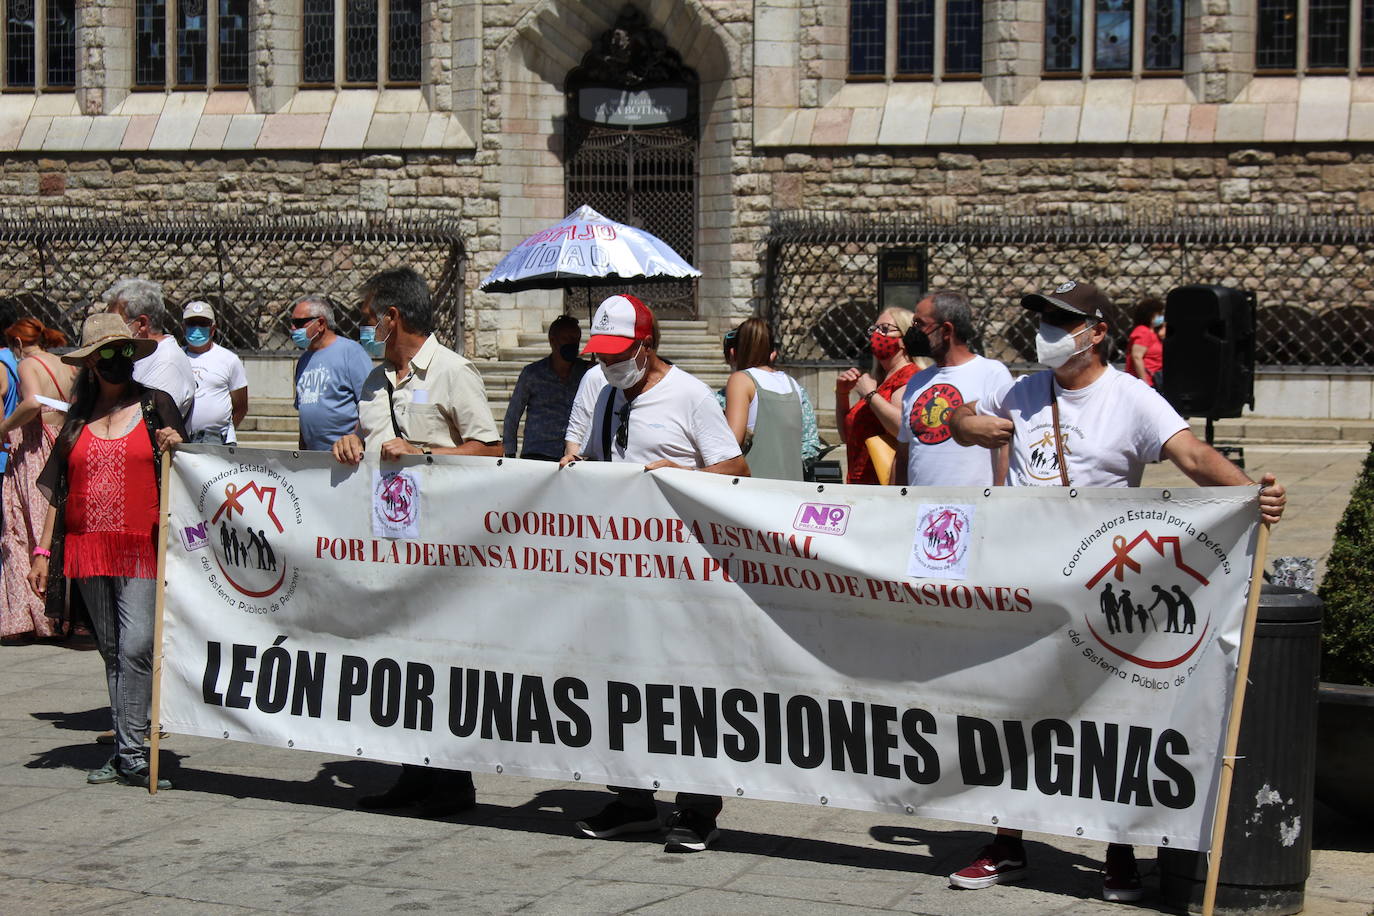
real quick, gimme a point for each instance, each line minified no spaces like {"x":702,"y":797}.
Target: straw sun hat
{"x":104,"y":330}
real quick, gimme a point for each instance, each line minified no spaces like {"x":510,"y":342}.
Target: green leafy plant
{"x":1347,"y":589}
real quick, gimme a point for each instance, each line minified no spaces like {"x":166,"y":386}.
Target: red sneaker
{"x":997,"y":863}
{"x":1120,"y":876}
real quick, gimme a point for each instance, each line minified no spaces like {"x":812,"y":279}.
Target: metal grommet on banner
{"x":231,"y":450}
{"x":656,"y":783}
{"x":226,"y":734}
{"x":987,"y":491}
{"x":1166,"y":494}
{"x":500,"y":769}
{"x":360,"y":752}
{"x":500,"y":461}
{"x":735,"y":481}
{"x":820,"y":488}
{"x":429,"y":459}
{"x":1078,"y":831}
{"x":995,"y":820}
{"x":426,"y":761}
{"x":1073,"y":493}
{"x":577,"y":777}
{"x":290,"y":743}
{"x":910,"y":809}
{"x":1164,"y":841}
{"x":903,"y":491}
{"x":295,"y":454}
{"x":824,"y":800}
{"x":739,"y":790}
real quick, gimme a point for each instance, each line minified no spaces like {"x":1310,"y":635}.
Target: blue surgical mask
{"x":198,"y":335}
{"x":367,"y":336}
{"x":300,"y":338}
{"x":1157,"y":321}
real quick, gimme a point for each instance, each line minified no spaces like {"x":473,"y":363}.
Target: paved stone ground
{"x":255,"y":829}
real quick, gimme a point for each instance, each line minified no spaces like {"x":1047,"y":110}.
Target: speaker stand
{"x":1236,"y":453}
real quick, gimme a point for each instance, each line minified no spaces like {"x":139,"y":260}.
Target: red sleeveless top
{"x":112,"y":507}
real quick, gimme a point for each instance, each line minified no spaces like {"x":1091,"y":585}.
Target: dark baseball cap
{"x":1078,"y":298}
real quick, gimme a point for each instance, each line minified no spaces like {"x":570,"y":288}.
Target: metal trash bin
{"x":1268,"y":851}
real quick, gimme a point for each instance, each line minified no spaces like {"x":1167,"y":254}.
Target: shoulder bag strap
{"x":44,"y":367}
{"x":606,"y":416}
{"x":1058,"y":436}
{"x":152,"y":421}
{"x":391,"y":405}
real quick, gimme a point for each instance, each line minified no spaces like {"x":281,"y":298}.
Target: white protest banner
{"x":701,"y":633}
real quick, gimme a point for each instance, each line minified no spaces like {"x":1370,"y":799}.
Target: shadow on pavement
{"x":90,"y":720}
{"x":1334,"y":830}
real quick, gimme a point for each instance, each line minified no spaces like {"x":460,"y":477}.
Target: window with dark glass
{"x":208,"y":41}
{"x":1276,"y":39}
{"x":1164,"y":34}
{"x":867,"y":37}
{"x":1328,"y":34}
{"x":21,"y":43}
{"x":1366,"y":34}
{"x":362,"y":52}
{"x":403,"y":42}
{"x":963,"y":36}
{"x":61,"y":43}
{"x":1063,"y":36}
{"x":931,"y":38}
{"x":1112,"y":35}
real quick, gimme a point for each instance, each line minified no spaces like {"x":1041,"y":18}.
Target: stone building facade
{"x":782,"y":124}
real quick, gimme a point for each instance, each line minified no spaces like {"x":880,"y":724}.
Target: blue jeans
{"x":122,"y":614}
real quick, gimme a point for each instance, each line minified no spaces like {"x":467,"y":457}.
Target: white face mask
{"x":1055,"y":346}
{"x":625,"y":374}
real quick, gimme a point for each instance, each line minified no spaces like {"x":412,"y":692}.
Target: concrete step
{"x":1273,"y":429}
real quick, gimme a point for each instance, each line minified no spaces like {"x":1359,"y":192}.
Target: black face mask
{"x":117,"y":370}
{"x":916,"y":342}
{"x":568,"y":352}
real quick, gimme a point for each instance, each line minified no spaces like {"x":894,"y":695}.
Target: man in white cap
{"x":221,"y":384}
{"x":1082,"y":423}
{"x":657,"y":415}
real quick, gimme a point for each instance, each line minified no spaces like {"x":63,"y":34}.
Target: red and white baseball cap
{"x":620,"y":320}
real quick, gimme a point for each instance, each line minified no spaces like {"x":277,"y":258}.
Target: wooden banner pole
{"x":1228,"y":760}
{"x":154,"y":707}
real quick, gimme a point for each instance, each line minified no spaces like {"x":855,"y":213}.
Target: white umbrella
{"x":587,"y":249}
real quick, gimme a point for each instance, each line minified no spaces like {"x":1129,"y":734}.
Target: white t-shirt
{"x":217,"y":371}
{"x":678,"y":419}
{"x":934,"y":459}
{"x":580,"y":417}
{"x":1111,"y":429}
{"x":168,"y":368}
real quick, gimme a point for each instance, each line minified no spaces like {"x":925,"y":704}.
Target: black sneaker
{"x":617,"y":818}
{"x":690,"y":831}
{"x":1121,"y":876}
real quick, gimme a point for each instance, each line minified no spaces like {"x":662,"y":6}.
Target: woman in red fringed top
{"x":878,"y":410}
{"x":102,"y":481}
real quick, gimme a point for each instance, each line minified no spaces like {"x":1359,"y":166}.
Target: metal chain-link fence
{"x":250,"y":271}
{"x":1314,"y":278}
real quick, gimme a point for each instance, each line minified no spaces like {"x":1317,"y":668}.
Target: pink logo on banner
{"x":822,"y":518}
{"x":944,"y":534}
{"x":397,"y":498}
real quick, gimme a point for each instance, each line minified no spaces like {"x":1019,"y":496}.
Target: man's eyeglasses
{"x":111,"y":352}
{"x":888,"y":329}
{"x":622,"y":433}
{"x":302,"y":322}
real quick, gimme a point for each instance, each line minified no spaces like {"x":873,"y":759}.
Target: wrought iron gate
{"x":250,"y":270}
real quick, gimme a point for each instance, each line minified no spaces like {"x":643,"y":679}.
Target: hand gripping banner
{"x":1057,"y":660}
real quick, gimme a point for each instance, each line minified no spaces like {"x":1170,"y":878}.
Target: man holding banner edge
{"x":1083,"y":423}
{"x":423,"y":399}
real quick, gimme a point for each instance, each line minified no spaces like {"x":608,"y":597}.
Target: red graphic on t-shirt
{"x":930,"y":414}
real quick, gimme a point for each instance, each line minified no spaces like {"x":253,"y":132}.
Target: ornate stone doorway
{"x":630,"y":145}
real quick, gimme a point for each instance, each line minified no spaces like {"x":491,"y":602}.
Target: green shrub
{"x":1347,"y":589}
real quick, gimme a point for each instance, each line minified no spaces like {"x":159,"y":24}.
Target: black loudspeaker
{"x":1209,"y":351}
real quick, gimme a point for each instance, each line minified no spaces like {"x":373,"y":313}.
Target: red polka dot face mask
{"x":884,"y":347}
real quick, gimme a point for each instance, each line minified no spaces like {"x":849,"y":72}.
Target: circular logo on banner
{"x":944,"y":535}
{"x":930,"y":412}
{"x":396,"y":498}
{"x":244,"y":515}
{"x":1146,"y":605}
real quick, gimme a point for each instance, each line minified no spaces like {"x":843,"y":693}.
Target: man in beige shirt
{"x":423,"y":399}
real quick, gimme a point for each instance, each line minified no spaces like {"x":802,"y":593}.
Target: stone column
{"x":1218,"y":48}
{"x":105,"y":65}
{"x":275,"y":30}
{"x":1013,"y":35}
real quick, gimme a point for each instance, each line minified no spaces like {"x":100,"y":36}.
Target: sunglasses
{"x":111,"y":352}
{"x":302,"y":322}
{"x":622,"y":433}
